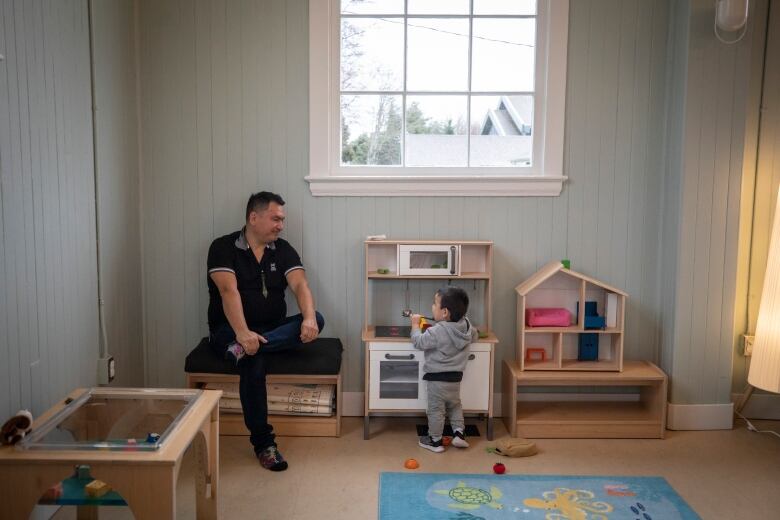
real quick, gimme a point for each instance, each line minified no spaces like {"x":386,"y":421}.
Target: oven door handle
{"x":391,"y":356}
{"x":453,"y":253}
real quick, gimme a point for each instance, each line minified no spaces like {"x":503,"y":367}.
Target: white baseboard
{"x":760,"y":406}
{"x":679,"y":416}
{"x":352,"y":404}
{"x":700,"y":416}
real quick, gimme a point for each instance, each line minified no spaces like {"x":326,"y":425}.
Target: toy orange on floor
{"x":411,"y":464}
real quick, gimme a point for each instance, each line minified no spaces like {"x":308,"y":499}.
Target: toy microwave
{"x":428,"y":260}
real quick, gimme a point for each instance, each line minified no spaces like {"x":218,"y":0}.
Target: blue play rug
{"x":445,"y":496}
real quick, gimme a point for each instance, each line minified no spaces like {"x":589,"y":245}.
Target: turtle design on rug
{"x":467,"y":497}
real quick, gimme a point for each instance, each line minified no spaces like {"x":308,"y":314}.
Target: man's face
{"x":268,"y":223}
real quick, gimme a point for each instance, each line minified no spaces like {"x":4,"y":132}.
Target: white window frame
{"x":327,"y":177}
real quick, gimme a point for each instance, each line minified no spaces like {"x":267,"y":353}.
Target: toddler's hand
{"x":415,"y":320}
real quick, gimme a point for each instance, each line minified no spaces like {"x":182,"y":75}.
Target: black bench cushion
{"x":322,"y":356}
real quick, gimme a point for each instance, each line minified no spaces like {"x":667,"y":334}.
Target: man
{"x":248,"y":272}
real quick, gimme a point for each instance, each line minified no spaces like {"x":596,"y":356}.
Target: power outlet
{"x":748,"y":347}
{"x":106,"y":370}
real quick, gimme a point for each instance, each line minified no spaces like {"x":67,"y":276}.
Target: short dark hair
{"x":260,"y":200}
{"x":455,"y":300}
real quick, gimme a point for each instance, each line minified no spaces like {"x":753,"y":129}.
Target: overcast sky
{"x":437,"y":54}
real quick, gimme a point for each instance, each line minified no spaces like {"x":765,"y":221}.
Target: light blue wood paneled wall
{"x":708,"y":110}
{"x":117,"y":138}
{"x":225,"y":112}
{"x":767,"y":180}
{"x":48,"y":311}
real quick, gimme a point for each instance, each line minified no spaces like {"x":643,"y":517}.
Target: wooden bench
{"x":318,"y":362}
{"x":642,"y":418}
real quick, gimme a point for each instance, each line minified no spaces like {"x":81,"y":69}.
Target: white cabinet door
{"x":475,"y":387}
{"x":395,"y":380}
{"x":396,"y":372}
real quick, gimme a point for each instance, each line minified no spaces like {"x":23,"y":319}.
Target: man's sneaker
{"x":270,"y":458}
{"x":429,"y":444}
{"x":459,"y":439}
{"x":235,"y":352}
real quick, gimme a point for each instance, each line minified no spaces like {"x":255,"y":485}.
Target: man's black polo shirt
{"x":261,"y":285}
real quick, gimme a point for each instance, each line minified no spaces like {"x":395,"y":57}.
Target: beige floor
{"x":721,"y":474}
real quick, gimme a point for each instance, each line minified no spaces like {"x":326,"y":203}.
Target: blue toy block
{"x":595,"y":322}
{"x":588,"y":347}
{"x":592,"y":319}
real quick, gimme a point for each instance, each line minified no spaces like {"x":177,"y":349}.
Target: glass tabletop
{"x":127,"y":419}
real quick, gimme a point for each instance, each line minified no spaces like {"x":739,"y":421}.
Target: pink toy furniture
{"x":547,"y":317}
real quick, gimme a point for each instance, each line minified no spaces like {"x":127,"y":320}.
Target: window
{"x":437,"y":97}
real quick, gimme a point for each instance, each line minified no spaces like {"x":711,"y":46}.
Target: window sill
{"x":435,"y":186}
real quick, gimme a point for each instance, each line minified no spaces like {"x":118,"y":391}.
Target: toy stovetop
{"x":392,"y":331}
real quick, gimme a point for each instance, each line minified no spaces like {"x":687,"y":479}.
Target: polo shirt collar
{"x":242,"y":243}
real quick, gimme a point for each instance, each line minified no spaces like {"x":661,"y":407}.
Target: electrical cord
{"x":752,"y":428}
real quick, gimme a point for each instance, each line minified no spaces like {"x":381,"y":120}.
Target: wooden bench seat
{"x":318,"y":362}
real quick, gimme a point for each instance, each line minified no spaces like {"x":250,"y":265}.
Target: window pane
{"x":502,"y":130}
{"x":372,"y":54}
{"x":370,"y":130}
{"x":437,"y":55}
{"x":372,"y":6}
{"x":505,"y":7}
{"x":503,"y":55}
{"x":436,"y":131}
{"x":438,"y":6}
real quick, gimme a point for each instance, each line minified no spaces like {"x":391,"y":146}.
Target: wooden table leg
{"x":206,"y":446}
{"x":22,"y":486}
{"x":152,"y":498}
{"x":86,"y":513}
{"x":150,"y":491}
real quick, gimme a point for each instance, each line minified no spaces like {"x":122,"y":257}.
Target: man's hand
{"x":415,"y":320}
{"x":250,"y":341}
{"x":309,"y":330}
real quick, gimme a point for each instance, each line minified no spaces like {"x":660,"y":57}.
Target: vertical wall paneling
{"x":246,"y":89}
{"x":707,"y":117}
{"x":116,"y":127}
{"x":760,"y":187}
{"x":48,"y":289}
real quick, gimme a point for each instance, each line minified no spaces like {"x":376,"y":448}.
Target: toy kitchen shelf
{"x":404,"y":274}
{"x":561,"y":348}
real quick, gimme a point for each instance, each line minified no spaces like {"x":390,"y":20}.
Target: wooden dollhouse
{"x":570,"y":334}
{"x":590,"y":337}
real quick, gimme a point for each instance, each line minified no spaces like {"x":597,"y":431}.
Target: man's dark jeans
{"x":254,"y":399}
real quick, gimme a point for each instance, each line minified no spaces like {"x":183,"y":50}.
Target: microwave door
{"x":428,"y":259}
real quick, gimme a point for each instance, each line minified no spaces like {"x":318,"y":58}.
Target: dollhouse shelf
{"x":554,"y":286}
{"x":642,"y":415}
